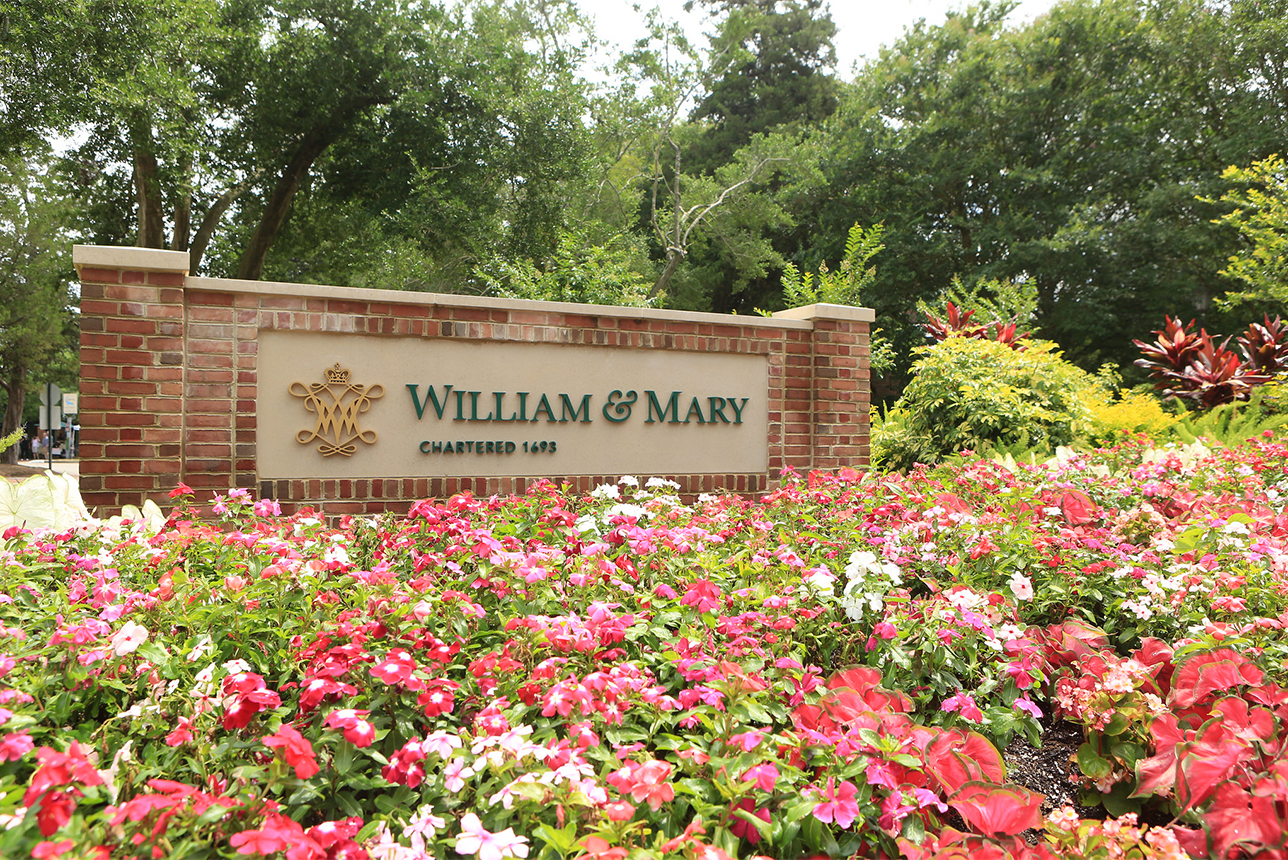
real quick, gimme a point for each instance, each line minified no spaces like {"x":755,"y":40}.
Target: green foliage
{"x":1232,"y":423}
{"x":578,"y":272}
{"x":1260,"y":214}
{"x":991,"y":300}
{"x":844,"y":286}
{"x":38,"y":333}
{"x":971,"y":394}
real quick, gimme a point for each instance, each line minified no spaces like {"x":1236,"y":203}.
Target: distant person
{"x":24,"y":445}
{"x":38,"y":445}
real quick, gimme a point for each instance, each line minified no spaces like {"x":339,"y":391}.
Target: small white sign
{"x":71,"y":403}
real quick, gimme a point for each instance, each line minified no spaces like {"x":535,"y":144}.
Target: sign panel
{"x":71,"y":403}
{"x":335,"y":405}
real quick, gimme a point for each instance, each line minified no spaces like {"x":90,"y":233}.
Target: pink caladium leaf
{"x":1211,"y":672}
{"x":1078,"y":508}
{"x":1206,"y":762}
{"x":998,"y":810}
{"x":1157,"y":774}
{"x":954,"y":758}
{"x":1243,"y":819}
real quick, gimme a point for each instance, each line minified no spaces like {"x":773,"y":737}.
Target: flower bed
{"x":828,"y":670}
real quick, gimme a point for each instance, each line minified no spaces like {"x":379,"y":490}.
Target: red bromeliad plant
{"x":1193,"y":367}
{"x":957,"y":323}
{"x":1265,"y":345}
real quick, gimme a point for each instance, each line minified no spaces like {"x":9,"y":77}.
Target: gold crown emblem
{"x":337,"y":375}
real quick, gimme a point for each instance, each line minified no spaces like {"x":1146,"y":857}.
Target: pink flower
{"x":741,"y":827}
{"x":128,"y":638}
{"x":838,"y":805}
{"x":182,"y":733}
{"x":475,"y":839}
{"x":267,"y":508}
{"x":15,"y":745}
{"x":357,"y":731}
{"x":965,"y":705}
{"x":764,"y":775}
{"x":1024,"y":704}
{"x":396,"y":668}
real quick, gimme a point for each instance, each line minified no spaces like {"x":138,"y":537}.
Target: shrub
{"x":1136,"y":412}
{"x":980,"y":394}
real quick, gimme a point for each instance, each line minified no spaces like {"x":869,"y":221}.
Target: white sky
{"x":863,"y":26}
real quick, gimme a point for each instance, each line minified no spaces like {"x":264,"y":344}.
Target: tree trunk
{"x":183,"y":209}
{"x":208,"y":224}
{"x":15,"y":386}
{"x":147,"y":187}
{"x":673,"y":258}
{"x":278,"y":204}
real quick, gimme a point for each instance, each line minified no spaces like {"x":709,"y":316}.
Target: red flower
{"x":296,"y":749}
{"x":357,"y":731}
{"x":181,"y":734}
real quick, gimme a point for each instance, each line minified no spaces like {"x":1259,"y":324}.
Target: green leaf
{"x":1091,"y":764}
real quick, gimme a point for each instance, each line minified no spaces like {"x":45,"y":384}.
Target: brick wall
{"x":168,"y":377}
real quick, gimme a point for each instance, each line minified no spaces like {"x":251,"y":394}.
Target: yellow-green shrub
{"x":1136,"y":412}
{"x":968,"y":393}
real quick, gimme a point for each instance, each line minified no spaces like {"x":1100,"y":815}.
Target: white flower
{"x":821,"y":578}
{"x":587,"y":525}
{"x":606,"y":491}
{"x":625,"y":510}
{"x":1022,"y":587}
{"x":629,"y":481}
{"x":129,"y":638}
{"x":654,"y":483}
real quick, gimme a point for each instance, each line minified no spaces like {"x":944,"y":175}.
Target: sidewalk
{"x":64,"y":467}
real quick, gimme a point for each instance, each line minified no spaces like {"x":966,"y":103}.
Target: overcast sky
{"x":863,"y":26}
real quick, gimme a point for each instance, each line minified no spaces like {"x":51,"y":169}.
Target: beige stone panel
{"x":383,"y":436}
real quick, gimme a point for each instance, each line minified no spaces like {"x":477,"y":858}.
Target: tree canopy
{"x":473,"y":147}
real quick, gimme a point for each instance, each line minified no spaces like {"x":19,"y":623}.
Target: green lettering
{"x":432,"y":399}
{"x":490,"y":448}
{"x":544,"y":405}
{"x":460,"y":447}
{"x":717,"y":405}
{"x":500,"y":395}
{"x":523,"y":406}
{"x":460,"y":405}
{"x":737,"y":408}
{"x":672,"y":406}
{"x":584,"y":409}
{"x":695,"y":406}
{"x":621,"y":408}
{"x":474,"y":407}
{"x":437,"y":447}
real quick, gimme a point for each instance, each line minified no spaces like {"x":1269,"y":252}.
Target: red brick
{"x":102,"y":276}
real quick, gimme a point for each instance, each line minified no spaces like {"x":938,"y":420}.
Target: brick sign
{"x":358,"y":401}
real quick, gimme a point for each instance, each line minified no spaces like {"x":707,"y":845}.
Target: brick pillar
{"x":132,"y":374}
{"x":839,"y":384}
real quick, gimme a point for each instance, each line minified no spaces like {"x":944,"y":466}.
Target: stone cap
{"x":828,"y":312}
{"x":138,"y":259}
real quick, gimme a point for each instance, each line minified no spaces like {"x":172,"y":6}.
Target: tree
{"x":779,"y":74}
{"x":37,"y":326}
{"x":1260,"y":214}
{"x":1069,"y":154}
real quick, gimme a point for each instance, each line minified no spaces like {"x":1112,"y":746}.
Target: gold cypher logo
{"x":337,"y":404}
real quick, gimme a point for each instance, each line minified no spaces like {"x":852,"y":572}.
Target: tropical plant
{"x":1195,"y":368}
